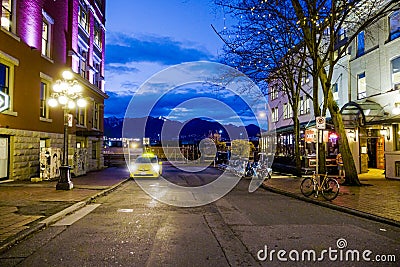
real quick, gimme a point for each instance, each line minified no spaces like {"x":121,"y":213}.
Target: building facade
{"x":366,"y":85}
{"x":38,"y":40}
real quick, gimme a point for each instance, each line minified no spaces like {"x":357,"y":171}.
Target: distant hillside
{"x":193,"y":130}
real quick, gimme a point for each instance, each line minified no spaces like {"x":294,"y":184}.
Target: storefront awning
{"x":361,"y":113}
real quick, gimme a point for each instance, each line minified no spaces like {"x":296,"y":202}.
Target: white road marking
{"x":74,"y":217}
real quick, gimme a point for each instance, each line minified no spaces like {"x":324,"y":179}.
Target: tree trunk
{"x":296,"y":128}
{"x":351,"y":176}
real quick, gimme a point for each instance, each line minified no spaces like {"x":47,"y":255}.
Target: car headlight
{"x":133,"y":168}
{"x":156,"y":168}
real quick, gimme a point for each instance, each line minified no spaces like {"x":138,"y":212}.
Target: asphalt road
{"x":129,"y":228}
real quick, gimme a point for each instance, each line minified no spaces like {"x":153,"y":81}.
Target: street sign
{"x":310,"y":136}
{"x":70,"y":119}
{"x":321,"y":123}
{"x":4,"y":101}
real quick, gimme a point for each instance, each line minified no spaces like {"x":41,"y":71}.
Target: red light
{"x":333,"y":136}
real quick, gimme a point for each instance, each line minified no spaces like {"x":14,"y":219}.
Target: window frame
{"x":360,"y":43}
{"x":397,"y":73}
{"x":11,"y":18}
{"x":361,"y":94}
{"x":81,"y":117}
{"x":96,"y":116}
{"x":394,"y":34}
{"x":11,"y":63}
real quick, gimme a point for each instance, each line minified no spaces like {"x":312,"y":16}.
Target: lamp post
{"x":68,"y":94}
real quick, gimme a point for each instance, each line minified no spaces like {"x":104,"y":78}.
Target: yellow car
{"x":146,"y":166}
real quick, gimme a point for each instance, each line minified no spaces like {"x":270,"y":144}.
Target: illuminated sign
{"x":4,"y":101}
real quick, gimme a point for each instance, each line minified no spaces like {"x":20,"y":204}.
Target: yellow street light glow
{"x":76,"y":88}
{"x":52,"y":102}
{"x":57,"y":87}
{"x":62,"y":99}
{"x":81,"y":103}
{"x":71,"y":104}
{"x":67,"y":75}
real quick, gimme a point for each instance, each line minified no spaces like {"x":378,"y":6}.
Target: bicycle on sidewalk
{"x":329,"y":187}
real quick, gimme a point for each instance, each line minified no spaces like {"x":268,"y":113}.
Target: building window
{"x":274,"y":92}
{"x":335,"y":91}
{"x":287,"y":111}
{"x":83,"y":17}
{"x":44,"y":94}
{"x":46,"y":39}
{"x":394,"y":25}
{"x":361,"y":43}
{"x":396,"y":71}
{"x":97,"y":75}
{"x":361,"y":86}
{"x":396,"y":133}
{"x":4,"y":78}
{"x":341,"y":34}
{"x":96,"y":115}
{"x":81,"y":116}
{"x":94,"y":149}
{"x":304,"y":105}
{"x":7,"y":14}
{"x":7,"y":66}
{"x":97,"y":35}
{"x":82,"y":62}
{"x":275,"y":115}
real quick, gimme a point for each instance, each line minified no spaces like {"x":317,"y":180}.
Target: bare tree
{"x":324,"y":29}
{"x":268,"y":49}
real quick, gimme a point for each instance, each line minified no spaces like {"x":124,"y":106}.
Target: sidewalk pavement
{"x":378,"y":199}
{"x":26,"y":207}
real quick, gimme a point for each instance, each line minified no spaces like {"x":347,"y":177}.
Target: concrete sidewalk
{"x":26,"y":207}
{"x":377,"y":199}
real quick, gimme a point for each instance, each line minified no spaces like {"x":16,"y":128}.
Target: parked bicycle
{"x":329,"y":187}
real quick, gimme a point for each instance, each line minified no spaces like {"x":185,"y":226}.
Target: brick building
{"x":38,"y":40}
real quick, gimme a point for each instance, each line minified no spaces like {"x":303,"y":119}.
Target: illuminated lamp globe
{"x":76,"y":88}
{"x":57,"y":87}
{"x":67,"y":75}
{"x":63,"y":100}
{"x":71,"y":104}
{"x":52,"y":102}
{"x":81,"y":103}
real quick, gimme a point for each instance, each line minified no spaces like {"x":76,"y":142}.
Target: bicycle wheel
{"x":330,"y":189}
{"x":307,"y":187}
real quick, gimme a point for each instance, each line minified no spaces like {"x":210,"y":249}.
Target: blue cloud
{"x":122,"y":48}
{"x":116,"y":104}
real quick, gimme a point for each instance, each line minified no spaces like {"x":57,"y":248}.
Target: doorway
{"x":376,"y":152}
{"x":4,"y":157}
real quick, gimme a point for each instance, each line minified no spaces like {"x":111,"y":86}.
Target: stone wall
{"x":24,"y":151}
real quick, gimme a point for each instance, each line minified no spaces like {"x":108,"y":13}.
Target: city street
{"x":128,"y":228}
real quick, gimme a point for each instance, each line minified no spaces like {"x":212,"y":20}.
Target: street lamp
{"x":68,"y":94}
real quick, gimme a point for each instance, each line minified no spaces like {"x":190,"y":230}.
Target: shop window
{"x":397,"y":168}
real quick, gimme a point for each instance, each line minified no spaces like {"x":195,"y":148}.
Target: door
{"x":4,"y":157}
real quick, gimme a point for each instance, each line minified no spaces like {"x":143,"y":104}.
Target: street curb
{"x":56,"y":217}
{"x":334,"y":207}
